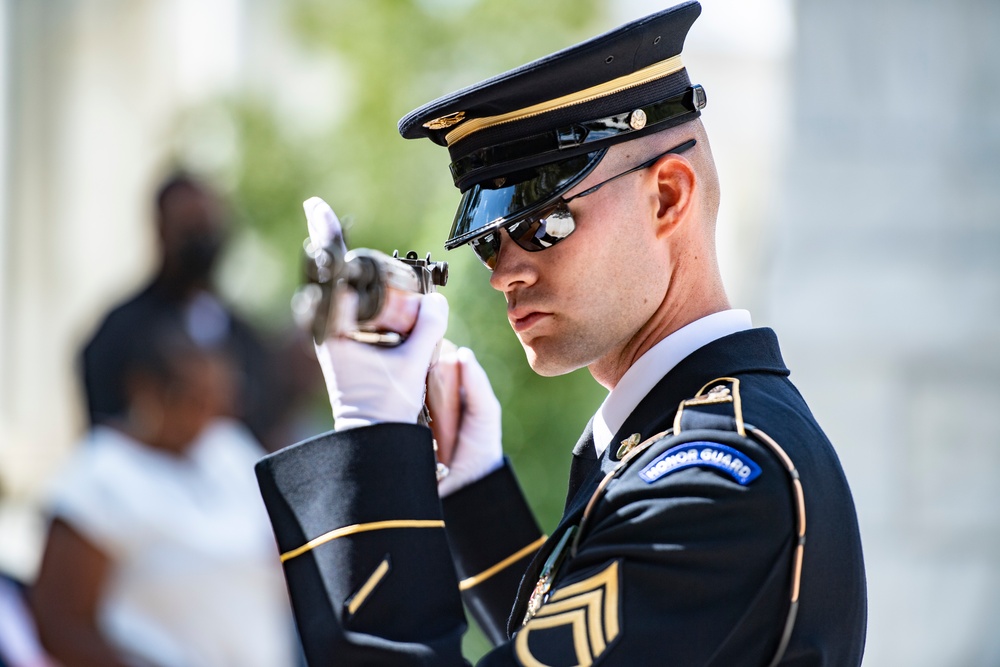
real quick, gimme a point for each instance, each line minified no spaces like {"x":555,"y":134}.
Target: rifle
{"x":368,"y":296}
{"x":362,"y":294}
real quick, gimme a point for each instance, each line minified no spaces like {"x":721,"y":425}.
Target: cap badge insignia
{"x":444,"y":122}
{"x":638,"y":119}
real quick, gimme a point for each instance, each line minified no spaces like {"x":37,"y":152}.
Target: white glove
{"x":369,"y":384}
{"x":478,"y":452}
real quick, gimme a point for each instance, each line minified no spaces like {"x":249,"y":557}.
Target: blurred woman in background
{"x":159,"y":553}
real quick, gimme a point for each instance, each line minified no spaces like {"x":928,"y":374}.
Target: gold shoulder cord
{"x":716,"y":392}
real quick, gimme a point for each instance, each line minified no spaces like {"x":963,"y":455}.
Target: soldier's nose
{"x":515,"y":266}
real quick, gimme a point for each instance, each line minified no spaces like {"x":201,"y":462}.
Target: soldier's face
{"x":585,"y":299}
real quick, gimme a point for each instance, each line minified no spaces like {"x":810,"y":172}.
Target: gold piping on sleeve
{"x":475,"y":580}
{"x":360,"y":528}
{"x":645,"y":75}
{"x":366,"y":590}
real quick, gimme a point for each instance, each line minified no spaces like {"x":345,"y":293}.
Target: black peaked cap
{"x":484,"y":146}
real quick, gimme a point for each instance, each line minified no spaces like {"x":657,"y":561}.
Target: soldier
{"x":590,"y":193}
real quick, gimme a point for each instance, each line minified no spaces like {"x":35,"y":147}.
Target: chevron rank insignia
{"x":575,"y":626}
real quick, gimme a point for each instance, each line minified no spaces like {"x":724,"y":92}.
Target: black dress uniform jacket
{"x":676,"y":564}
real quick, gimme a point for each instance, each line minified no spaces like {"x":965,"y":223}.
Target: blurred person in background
{"x":191,"y":229}
{"x":159,"y":552}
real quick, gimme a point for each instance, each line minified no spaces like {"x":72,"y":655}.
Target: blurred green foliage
{"x":394,"y":56}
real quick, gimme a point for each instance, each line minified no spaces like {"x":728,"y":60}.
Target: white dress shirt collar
{"x":650,"y":368}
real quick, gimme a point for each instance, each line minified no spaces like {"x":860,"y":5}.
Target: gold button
{"x":638,"y":119}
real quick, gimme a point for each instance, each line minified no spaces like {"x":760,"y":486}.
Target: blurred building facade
{"x":886,"y":290}
{"x":859,"y":148}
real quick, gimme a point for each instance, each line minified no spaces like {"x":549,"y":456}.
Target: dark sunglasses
{"x":547,"y":226}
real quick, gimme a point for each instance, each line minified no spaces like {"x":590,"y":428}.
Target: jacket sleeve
{"x":493,"y":536}
{"x":359,"y":525}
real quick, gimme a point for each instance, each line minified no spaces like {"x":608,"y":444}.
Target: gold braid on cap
{"x":641,"y":77}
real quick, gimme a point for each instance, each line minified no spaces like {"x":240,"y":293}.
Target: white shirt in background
{"x":196,"y":580}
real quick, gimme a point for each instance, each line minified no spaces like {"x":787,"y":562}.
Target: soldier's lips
{"x":522,"y":322}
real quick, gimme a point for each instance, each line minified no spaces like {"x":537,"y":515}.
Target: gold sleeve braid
{"x":475,"y":580}
{"x":360,"y":528}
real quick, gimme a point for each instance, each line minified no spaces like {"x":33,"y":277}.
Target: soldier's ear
{"x":674,"y":181}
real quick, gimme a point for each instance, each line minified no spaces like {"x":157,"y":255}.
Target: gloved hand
{"x":369,"y":384}
{"x":478,"y":452}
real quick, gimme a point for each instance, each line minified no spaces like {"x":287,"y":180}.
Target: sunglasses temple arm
{"x":687,"y":145}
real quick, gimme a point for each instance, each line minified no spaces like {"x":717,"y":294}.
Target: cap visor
{"x":484,"y":209}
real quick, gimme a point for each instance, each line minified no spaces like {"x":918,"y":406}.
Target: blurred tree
{"x":390,"y":193}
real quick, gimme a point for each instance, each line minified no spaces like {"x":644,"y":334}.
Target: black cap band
{"x":581,"y":133}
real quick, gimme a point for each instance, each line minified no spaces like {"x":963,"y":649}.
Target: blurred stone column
{"x":93,"y":89}
{"x":886,"y":293}
{"x":80,"y":97}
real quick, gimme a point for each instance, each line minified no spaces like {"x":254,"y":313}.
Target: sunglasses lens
{"x":545,"y":230}
{"x":487,"y":248}
{"x":548,"y":228}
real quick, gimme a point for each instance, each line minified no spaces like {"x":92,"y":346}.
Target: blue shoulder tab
{"x":705,"y":454}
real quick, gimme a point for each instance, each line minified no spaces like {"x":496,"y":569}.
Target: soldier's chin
{"x":547,"y":363}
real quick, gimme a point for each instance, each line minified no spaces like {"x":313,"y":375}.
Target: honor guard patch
{"x":705,"y":455}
